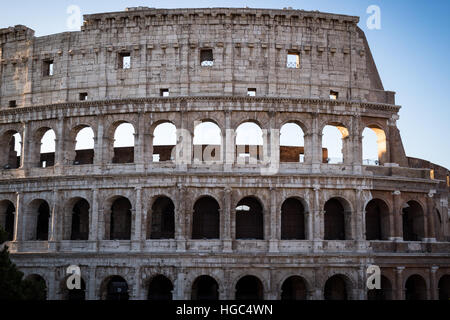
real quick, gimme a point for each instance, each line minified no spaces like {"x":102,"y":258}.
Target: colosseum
{"x":194,"y":206}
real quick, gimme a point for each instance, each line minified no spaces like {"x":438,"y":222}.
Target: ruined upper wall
{"x":250,"y":48}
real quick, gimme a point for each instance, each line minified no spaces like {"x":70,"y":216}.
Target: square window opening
{"x":206,"y":58}
{"x":48,"y":68}
{"x":293,"y":60}
{"x":124,"y":60}
{"x":164,"y":92}
{"x":251,"y":92}
{"x":334,"y":95}
{"x":12,"y":104}
{"x":83,"y":96}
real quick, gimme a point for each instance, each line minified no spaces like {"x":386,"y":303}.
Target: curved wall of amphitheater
{"x":185,"y":216}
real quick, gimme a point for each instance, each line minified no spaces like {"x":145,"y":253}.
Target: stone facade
{"x":249,"y":48}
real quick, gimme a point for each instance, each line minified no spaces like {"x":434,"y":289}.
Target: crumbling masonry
{"x":180,"y":226}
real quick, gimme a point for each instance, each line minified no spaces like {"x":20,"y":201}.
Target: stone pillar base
{"x":136,"y":245}
{"x":227,"y":245}
{"x":273,"y":246}
{"x":181,"y":245}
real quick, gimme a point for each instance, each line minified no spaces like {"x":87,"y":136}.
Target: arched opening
{"x":80,"y":220}
{"x":160,"y":288}
{"x":377,"y":220}
{"x":36,"y":287}
{"x":249,"y":143}
{"x":413,"y":221}
{"x":416,"y":288}
{"x":207,"y":142}
{"x":74,"y":294}
{"x":205,"y":288}
{"x":115,"y":288}
{"x":10,"y":158}
{"x":385,"y":293}
{"x":84,"y":146}
{"x":124,"y":143}
{"x":164,"y":142}
{"x":47,"y":151}
{"x":334,"y":218}
{"x":249,"y":219}
{"x":373,"y":145}
{"x":7,"y":214}
{"x":162,"y":219}
{"x":292,"y":143}
{"x":294,"y":288}
{"x":120,"y":224}
{"x":292,"y":220}
{"x":206,"y":219}
{"x":334,"y":143}
{"x":444,"y":287}
{"x":249,"y":288}
{"x":43,"y":217}
{"x":336,"y":288}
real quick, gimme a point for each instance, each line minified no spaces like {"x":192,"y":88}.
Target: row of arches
{"x":208,"y":140}
{"x":206,"y":219}
{"x":250,"y":287}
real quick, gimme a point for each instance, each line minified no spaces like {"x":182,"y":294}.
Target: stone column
{"x":30,"y":148}
{"x":91,"y":284}
{"x":51,"y":289}
{"x":317,"y":215}
{"x":19,"y":225}
{"x":273,"y":226}
{"x":400,"y":291}
{"x":137,"y":234}
{"x":359,"y":217}
{"x":25,"y":152}
{"x":308,"y":147}
{"x":226,"y":221}
{"x":434,"y":290}
{"x":137,"y":284}
{"x":59,"y":142}
{"x":99,"y":144}
{"x":93,"y":217}
{"x":398,"y":221}
{"x":148,"y":148}
{"x":230,"y":146}
{"x":179,"y":292}
{"x":309,"y":225}
{"x":53,"y":225}
{"x":356,"y":148}
{"x":316,"y":144}
{"x":183,"y":148}
{"x":180,"y":219}
{"x":431,"y":234}
{"x":139,"y":141}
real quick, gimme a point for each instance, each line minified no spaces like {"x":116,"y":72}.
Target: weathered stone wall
{"x":250,"y":48}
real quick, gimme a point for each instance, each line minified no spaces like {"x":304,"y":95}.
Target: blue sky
{"x":411,"y":51}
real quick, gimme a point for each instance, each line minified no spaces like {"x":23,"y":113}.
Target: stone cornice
{"x":182,"y":100}
{"x":153,"y":16}
{"x":386,"y":183}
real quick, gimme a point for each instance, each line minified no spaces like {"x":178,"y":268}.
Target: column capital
{"x":399,"y":269}
{"x":396,"y":192}
{"x":434,"y":269}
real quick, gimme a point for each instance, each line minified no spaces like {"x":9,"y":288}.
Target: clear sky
{"x":411,"y":51}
